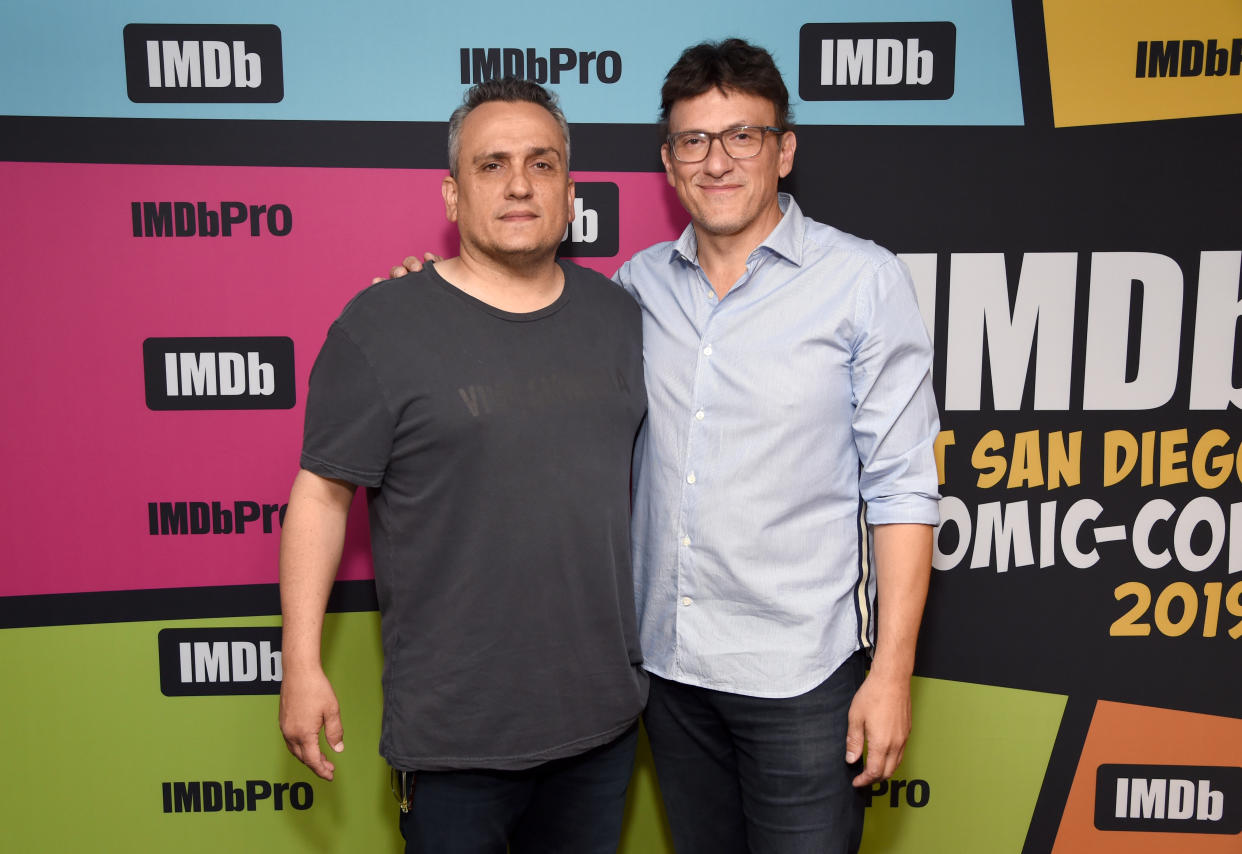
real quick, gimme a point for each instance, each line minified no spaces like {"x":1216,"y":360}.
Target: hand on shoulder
{"x":412,"y":264}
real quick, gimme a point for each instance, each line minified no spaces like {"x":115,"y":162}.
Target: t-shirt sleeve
{"x":349,"y":422}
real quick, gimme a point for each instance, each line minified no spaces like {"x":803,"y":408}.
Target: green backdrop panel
{"x":971,"y":772}
{"x":94,"y":741}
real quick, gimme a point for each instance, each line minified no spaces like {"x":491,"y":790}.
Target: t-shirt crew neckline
{"x":519,"y":317}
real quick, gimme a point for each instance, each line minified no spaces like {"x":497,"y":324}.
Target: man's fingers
{"x":894,"y":759}
{"x":873,"y":771}
{"x":308,"y":707}
{"x":854,"y":740}
{"x":882,"y":762}
{"x":874,"y":768}
{"x":308,"y":751}
{"x":333,"y":731}
{"x":319,"y":763}
{"x":411,"y":264}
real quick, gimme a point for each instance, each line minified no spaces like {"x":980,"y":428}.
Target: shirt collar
{"x":785,"y":240}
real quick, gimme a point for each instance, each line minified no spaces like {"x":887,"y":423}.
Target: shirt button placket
{"x":684,"y":560}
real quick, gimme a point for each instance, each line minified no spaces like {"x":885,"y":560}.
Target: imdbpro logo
{"x":218,"y":373}
{"x":203,"y":63}
{"x":877,"y":62}
{"x":1169,"y":798}
{"x":488,"y":63}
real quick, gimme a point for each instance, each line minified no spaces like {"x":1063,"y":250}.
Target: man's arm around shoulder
{"x":311,"y":542}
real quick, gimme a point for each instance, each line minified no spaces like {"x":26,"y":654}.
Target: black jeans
{"x":752,"y":774}
{"x":566,"y":806}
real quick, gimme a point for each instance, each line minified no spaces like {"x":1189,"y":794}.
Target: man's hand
{"x":311,"y":541}
{"x":880,"y":712}
{"x":880,"y":716}
{"x":412,"y":264}
{"x":307,"y":705}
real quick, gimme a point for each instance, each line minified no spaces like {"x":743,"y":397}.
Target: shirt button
{"x":685,"y":541}
{"x":707,"y":351}
{"x":699,"y":415}
{"x":690,"y":478}
{"x":687,"y":601}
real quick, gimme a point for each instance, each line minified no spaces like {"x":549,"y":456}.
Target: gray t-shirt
{"x":496,"y":452}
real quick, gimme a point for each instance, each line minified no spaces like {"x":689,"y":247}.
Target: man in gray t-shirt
{"x":491,"y":414}
{"x":784,"y":489}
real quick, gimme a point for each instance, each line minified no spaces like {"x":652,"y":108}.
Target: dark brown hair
{"x":730,"y":65}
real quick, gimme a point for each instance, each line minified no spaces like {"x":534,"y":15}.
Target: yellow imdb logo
{"x":1116,"y":61}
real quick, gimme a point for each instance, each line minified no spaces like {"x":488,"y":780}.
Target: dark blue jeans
{"x":566,"y":806}
{"x":751,"y":774}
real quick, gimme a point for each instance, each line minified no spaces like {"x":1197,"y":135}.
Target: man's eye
{"x":741,"y":135}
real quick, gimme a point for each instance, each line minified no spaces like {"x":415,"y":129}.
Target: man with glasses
{"x":783,"y":482}
{"x":784,"y":471}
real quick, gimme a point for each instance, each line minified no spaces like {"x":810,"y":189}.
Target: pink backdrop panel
{"x":82,"y":452}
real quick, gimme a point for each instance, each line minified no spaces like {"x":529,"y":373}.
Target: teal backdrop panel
{"x":402,"y":60}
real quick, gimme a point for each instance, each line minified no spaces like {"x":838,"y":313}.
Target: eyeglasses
{"x":692,"y":146}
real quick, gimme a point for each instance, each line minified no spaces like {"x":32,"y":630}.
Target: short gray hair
{"x":510,"y":89}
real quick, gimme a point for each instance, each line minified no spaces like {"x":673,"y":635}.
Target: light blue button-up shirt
{"x":782,"y":420}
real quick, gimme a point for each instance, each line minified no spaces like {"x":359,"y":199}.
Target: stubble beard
{"x":519,"y":257}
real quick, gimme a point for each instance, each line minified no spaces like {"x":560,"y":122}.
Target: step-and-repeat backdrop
{"x":191,"y":193}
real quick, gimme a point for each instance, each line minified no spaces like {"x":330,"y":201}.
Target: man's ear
{"x":789,"y":144}
{"x":572,"y":195}
{"x":448,"y":189}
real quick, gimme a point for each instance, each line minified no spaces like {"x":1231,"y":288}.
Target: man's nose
{"x":718,"y":161}
{"x":519,"y":186}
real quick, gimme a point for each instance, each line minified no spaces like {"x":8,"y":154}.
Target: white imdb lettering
{"x":1168,"y":799}
{"x":1041,"y":325}
{"x":194,"y":64}
{"x":210,"y":374}
{"x":874,"y":62}
{"x":585,"y":227}
{"x":225,"y":661}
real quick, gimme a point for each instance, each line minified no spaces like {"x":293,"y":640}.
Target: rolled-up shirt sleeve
{"x":895,"y":422}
